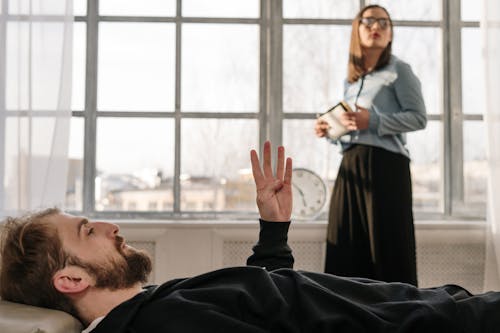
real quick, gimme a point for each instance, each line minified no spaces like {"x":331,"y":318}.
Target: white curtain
{"x":36,"y":39}
{"x":490,"y":26}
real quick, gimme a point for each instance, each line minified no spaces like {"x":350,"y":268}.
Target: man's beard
{"x":132,"y":267}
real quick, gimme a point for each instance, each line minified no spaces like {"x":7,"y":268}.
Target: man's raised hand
{"x":274,"y":193}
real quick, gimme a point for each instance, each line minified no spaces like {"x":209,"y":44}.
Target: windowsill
{"x":420,"y":225}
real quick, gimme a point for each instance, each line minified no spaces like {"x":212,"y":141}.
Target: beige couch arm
{"x":20,"y":318}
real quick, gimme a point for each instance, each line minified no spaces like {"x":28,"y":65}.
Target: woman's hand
{"x":321,"y":128}
{"x":274,"y":193}
{"x":358,"y":120}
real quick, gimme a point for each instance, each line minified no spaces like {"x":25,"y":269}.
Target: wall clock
{"x":309,"y":194}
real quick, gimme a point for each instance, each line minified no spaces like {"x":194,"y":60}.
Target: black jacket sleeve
{"x":272,"y":250}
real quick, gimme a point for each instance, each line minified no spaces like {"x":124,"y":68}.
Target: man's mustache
{"x":119,"y":240}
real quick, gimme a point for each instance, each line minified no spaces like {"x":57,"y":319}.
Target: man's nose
{"x":110,"y":229}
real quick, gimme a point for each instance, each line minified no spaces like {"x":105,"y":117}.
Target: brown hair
{"x":356,"y":68}
{"x":31,"y":252}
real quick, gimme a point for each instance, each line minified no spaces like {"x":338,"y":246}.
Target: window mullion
{"x":264,"y":64}
{"x":89,"y":169}
{"x":455,"y":105}
{"x":274,"y":127}
{"x":177,"y":152}
{"x":3,"y":106}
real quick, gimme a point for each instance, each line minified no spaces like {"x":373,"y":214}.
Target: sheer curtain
{"x":36,"y":39}
{"x":491,"y":36}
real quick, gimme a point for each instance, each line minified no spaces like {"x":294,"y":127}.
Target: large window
{"x":170,"y":95}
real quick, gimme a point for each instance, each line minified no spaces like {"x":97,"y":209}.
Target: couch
{"x":20,"y":318}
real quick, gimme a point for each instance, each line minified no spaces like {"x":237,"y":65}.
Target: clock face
{"x":309,"y":194}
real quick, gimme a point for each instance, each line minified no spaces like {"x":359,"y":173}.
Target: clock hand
{"x":301,"y":194}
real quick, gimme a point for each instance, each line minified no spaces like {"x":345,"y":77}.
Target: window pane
{"x":16,"y":93}
{"x":215,"y":165}
{"x":475,"y":168}
{"x":314,"y":66}
{"x":425,"y":10}
{"x":421,"y":48}
{"x":220,"y":68}
{"x":33,"y":137}
{"x":34,"y":152}
{"x":35,"y":65}
{"x":137,"y":8}
{"x":345,"y":9}
{"x":426,"y":166}
{"x":37,"y":7}
{"x":135,"y":159}
{"x":80,"y":7}
{"x":136,"y":67}
{"x":74,"y":188}
{"x":473,"y":78}
{"x":47,"y":65}
{"x":79,"y":57}
{"x":221,"y":8}
{"x":471,"y":10}
{"x":320,"y":156}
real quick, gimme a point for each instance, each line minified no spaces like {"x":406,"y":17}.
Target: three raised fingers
{"x":282,"y":171}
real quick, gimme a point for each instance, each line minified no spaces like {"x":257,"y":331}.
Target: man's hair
{"x":31,"y":253}
{"x":356,"y":68}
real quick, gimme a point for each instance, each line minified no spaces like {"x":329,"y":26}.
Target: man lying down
{"x":59,"y":261}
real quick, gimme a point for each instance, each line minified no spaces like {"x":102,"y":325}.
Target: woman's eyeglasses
{"x":383,"y":23}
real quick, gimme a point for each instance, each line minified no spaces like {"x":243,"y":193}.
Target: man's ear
{"x":71,"y":280}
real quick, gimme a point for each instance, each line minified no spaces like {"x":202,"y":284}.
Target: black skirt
{"x":370,"y":227}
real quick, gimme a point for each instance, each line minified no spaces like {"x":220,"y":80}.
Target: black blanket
{"x":250,"y":299}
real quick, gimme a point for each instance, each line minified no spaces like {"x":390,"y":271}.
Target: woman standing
{"x":370,"y":228}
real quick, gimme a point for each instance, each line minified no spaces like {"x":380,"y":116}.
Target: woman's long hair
{"x":356,"y":68}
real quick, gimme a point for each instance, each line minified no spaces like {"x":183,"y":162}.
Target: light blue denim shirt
{"x":393,"y":95}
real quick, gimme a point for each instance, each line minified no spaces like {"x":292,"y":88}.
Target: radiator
{"x":440,"y":259}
